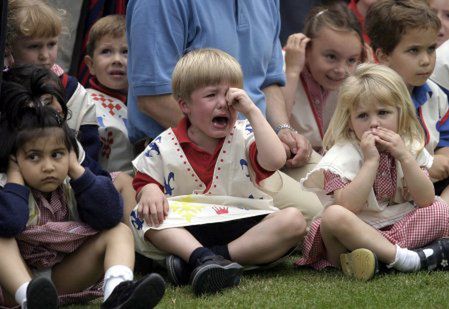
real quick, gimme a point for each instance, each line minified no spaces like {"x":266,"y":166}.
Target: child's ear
{"x":308,"y":49}
{"x":8,"y":60}
{"x":382,"y":57}
{"x":90,"y":64}
{"x":184,"y":106}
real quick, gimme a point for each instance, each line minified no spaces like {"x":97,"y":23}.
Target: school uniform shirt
{"x":432,"y":109}
{"x":90,"y":198}
{"x":312,"y":110}
{"x":82,"y":117}
{"x":441,"y":72}
{"x":232,"y":193}
{"x":345,"y":160}
{"x":117,"y":151}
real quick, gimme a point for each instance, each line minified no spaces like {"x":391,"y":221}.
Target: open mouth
{"x":117,"y":73}
{"x":220,"y":122}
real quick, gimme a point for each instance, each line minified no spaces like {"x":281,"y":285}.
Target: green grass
{"x":288,"y":287}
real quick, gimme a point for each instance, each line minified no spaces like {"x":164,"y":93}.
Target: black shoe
{"x":41,"y":293}
{"x":141,"y":294}
{"x":178,"y":270}
{"x":435,"y":256}
{"x":214,"y":274}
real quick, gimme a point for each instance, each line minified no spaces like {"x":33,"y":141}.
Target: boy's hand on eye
{"x":239,"y":100}
{"x":76,"y":170}
{"x":13,"y":173}
{"x":153,"y":205}
{"x":295,"y":53}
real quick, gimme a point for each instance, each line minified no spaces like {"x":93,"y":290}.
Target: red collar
{"x":312,"y":88}
{"x":183,"y":138}
{"x":94,"y":84}
{"x":181,"y":131}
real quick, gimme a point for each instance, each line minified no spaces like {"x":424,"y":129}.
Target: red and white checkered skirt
{"x":417,"y":229}
{"x":43,"y":246}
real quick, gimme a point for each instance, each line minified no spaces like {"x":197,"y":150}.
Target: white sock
{"x":114,"y":276}
{"x":405,"y":260}
{"x":21,"y":295}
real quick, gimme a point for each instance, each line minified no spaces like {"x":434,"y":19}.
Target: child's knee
{"x":120,"y":231}
{"x":335,"y":217}
{"x":293,"y":222}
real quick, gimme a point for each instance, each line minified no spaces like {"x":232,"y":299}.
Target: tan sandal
{"x":360,"y":264}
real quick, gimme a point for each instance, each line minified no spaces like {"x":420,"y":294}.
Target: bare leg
{"x":13,"y":269}
{"x":86,"y":265}
{"x":342,"y":230}
{"x":177,"y":241}
{"x":123,"y":184}
{"x":270,"y":239}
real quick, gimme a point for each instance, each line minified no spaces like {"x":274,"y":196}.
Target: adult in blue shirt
{"x":159,"y":32}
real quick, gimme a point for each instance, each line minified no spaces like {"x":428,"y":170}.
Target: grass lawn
{"x":288,"y":287}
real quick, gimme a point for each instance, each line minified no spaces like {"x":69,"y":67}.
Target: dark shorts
{"x":217,"y":234}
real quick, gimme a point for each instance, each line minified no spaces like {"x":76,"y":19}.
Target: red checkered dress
{"x":418,"y":228}
{"x":54,"y":237}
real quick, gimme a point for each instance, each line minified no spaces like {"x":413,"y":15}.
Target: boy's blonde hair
{"x":204,"y":67}
{"x":374,"y":81}
{"x":388,"y":20}
{"x":113,"y":25}
{"x":32,"y":18}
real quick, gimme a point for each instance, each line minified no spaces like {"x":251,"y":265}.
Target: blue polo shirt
{"x":420,"y":95}
{"x":159,"y":32}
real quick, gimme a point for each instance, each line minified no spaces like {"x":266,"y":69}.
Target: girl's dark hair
{"x":336,"y":16}
{"x":29,"y":123}
{"x":25,"y":85}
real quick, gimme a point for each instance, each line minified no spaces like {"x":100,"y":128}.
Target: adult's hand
{"x":298,"y":148}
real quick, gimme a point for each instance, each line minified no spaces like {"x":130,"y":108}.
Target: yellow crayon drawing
{"x":186,"y":209}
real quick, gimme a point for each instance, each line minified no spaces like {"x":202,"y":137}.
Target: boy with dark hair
{"x":404,"y":37}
